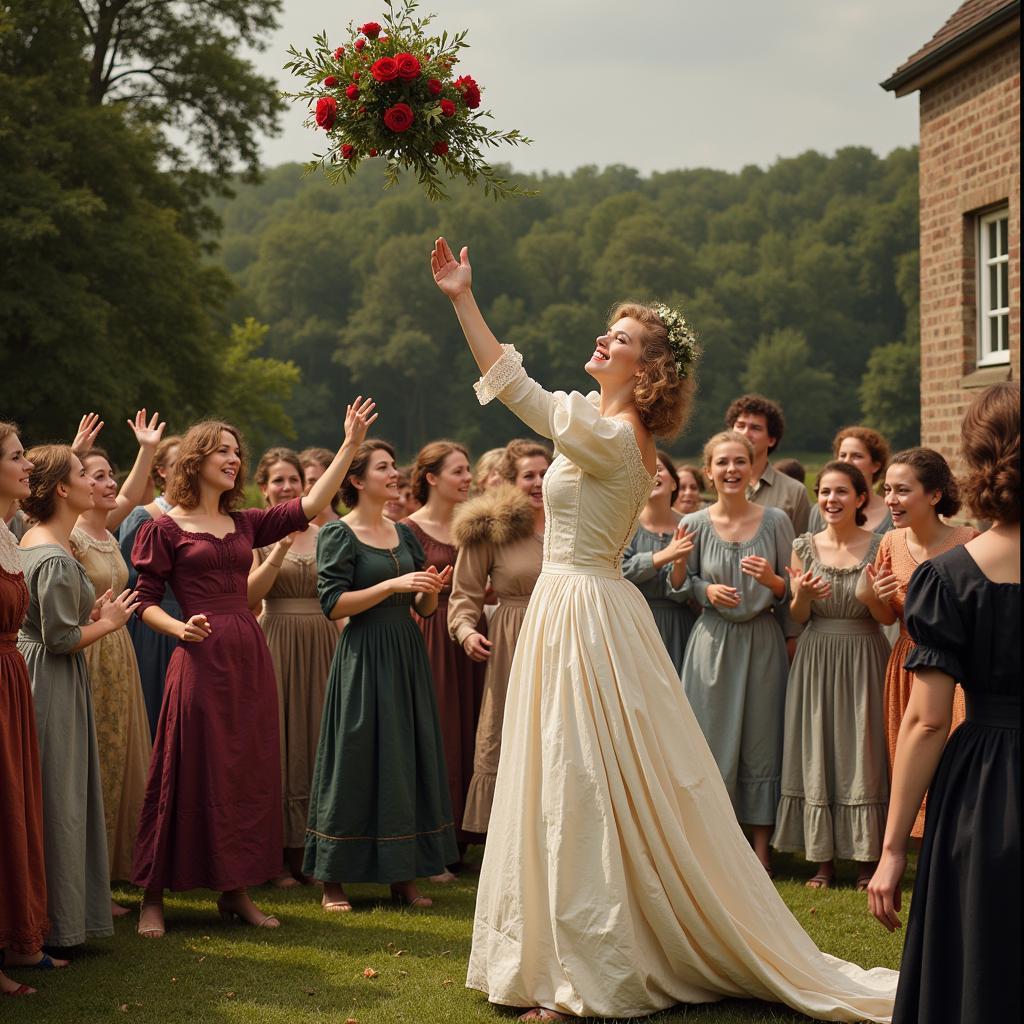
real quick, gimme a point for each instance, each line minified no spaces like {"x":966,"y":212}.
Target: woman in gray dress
{"x":835,"y":784}
{"x":734,"y":672}
{"x":655,"y":560}
{"x":63,"y":619}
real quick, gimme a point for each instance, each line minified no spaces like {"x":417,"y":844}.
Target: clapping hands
{"x":807,"y":586}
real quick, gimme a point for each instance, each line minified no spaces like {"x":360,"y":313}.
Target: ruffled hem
{"x":479,"y":801}
{"x":503,"y":372}
{"x":828,"y":832}
{"x":934,"y":657}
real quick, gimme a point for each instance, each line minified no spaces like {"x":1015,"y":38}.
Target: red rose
{"x":408,"y":66}
{"x":383,"y":39}
{"x":352,"y":92}
{"x":441,"y":148}
{"x":373,"y":152}
{"x":348,"y":151}
{"x":371,"y":29}
{"x":469,"y":89}
{"x":447,"y":108}
{"x":385,"y":69}
{"x":339,"y":53}
{"x":326,"y":112}
{"x":355,"y":76}
{"x":330,"y":81}
{"x":359,"y":44}
{"x":399,"y":118}
{"x":434,"y":86}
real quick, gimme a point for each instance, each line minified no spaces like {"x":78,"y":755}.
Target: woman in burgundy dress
{"x":441,"y":478}
{"x":212,"y":816}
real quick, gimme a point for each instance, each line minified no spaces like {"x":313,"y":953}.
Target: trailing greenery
{"x":312,"y":969}
{"x":792,"y":277}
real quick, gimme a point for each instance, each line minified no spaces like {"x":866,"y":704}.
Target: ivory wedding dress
{"x":616,"y":881}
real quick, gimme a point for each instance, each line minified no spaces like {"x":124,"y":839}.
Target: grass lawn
{"x":312,"y":968}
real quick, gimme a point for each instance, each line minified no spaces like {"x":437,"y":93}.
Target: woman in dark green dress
{"x":379,"y":809}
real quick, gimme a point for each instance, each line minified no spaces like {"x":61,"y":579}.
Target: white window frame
{"x":993,"y":309}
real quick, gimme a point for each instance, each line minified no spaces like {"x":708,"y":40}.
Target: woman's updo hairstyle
{"x":663,"y":399}
{"x":856,"y":477}
{"x":991,"y":449}
{"x":51,"y":465}
{"x":430,"y":460}
{"x":670,"y":467}
{"x":519,"y":448}
{"x":160,"y":460}
{"x":360,"y":461}
{"x":200,"y":440}
{"x":877,"y":446}
{"x":6,"y":429}
{"x":270,"y":458}
{"x":933,"y":474}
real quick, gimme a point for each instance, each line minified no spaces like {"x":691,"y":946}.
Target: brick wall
{"x":970,"y":160}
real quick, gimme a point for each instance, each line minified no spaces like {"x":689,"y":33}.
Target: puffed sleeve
{"x":637,"y":566}
{"x":469,"y":584}
{"x":269,"y":525}
{"x":803,"y":550}
{"x":153,"y":558}
{"x":572,"y":421}
{"x":935,"y":624}
{"x":335,"y":563}
{"x":58,"y":583}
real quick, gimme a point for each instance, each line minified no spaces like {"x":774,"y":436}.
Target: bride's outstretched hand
{"x":453,"y":276}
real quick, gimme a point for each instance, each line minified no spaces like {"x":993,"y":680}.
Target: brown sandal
{"x":819,"y":882}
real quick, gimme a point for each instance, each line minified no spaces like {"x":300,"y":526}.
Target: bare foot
{"x":542,"y":1013}
{"x":37,"y":959}
{"x":445,"y":878}
{"x":286,"y":880}
{"x":9,"y":987}
{"x":116,"y":910}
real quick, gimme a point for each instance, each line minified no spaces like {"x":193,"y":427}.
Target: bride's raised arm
{"x":594,"y":442}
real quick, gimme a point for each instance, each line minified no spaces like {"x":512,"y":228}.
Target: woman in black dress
{"x":962,"y":953}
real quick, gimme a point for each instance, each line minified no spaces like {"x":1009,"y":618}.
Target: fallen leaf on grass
{"x":310,"y":992}
{"x":447,"y":981}
{"x":814,"y":910}
{"x":398,"y":952}
{"x":369,"y":973}
{"x":351,"y":1020}
{"x":403,"y":974}
{"x":123,"y":1007}
{"x":231,"y":995}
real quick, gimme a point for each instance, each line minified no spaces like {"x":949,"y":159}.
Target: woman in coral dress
{"x":616,"y":881}
{"x":212,"y":814}
{"x":919,"y":487}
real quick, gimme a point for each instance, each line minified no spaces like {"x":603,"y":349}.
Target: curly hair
{"x":725,"y":437}
{"x":856,"y":477}
{"x":360,"y":461}
{"x":200,"y":440}
{"x":991,"y":449}
{"x":157,"y":472}
{"x":663,"y":399}
{"x":933,"y":474}
{"x":6,"y":429}
{"x":519,"y":448}
{"x":877,"y":446}
{"x":759,"y":406}
{"x":484,"y":466}
{"x":430,"y":460}
{"x":51,"y":465}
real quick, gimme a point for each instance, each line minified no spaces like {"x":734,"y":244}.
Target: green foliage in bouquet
{"x":390,"y":92}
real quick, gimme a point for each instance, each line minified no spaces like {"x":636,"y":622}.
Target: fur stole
{"x":498,"y":516}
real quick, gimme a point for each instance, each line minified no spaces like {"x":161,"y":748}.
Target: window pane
{"x":993,"y":286}
{"x":1004,"y":284}
{"x":1004,"y":226}
{"x":1004,"y":340}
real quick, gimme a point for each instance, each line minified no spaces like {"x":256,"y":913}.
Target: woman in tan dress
{"x":122,"y":726}
{"x":301,"y":643}
{"x":500,"y":537}
{"x":919,"y":488}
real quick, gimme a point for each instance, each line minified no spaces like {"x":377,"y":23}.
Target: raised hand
{"x":148,"y":434}
{"x":681,"y":544}
{"x":196,"y":630}
{"x":722,"y":596}
{"x":453,"y":276}
{"x":89,"y":427}
{"x":117,"y":611}
{"x":359,"y":417}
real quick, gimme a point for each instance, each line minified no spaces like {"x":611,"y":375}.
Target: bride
{"x":616,"y":881}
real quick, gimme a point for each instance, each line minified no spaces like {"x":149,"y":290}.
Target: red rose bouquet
{"x":389,"y":91}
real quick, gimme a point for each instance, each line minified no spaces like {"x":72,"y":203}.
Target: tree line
{"x":138,"y":265}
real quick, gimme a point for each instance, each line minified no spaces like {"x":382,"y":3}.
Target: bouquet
{"x":390,"y":92}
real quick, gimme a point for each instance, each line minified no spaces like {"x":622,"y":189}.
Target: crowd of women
{"x":200,"y":695}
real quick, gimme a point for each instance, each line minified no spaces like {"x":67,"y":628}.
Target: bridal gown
{"x":616,"y":881}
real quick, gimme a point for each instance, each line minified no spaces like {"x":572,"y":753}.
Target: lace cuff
{"x":503,"y":372}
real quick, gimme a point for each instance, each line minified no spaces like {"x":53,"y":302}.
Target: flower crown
{"x":681,"y":338}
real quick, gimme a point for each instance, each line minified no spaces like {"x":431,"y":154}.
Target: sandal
{"x":151,"y":931}
{"x":411,"y":901}
{"x":862,"y":883}
{"x":819,"y":882}
{"x":286,"y":880}
{"x":229,"y":914}
{"x":21,"y":990}
{"x":341,"y":906}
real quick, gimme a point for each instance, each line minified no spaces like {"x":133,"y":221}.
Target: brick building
{"x":968,"y":78}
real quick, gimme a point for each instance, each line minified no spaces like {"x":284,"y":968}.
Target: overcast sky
{"x":660,"y":84}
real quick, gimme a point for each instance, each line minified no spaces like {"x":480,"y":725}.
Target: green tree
{"x":889,"y":392}
{"x":782,"y":367}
